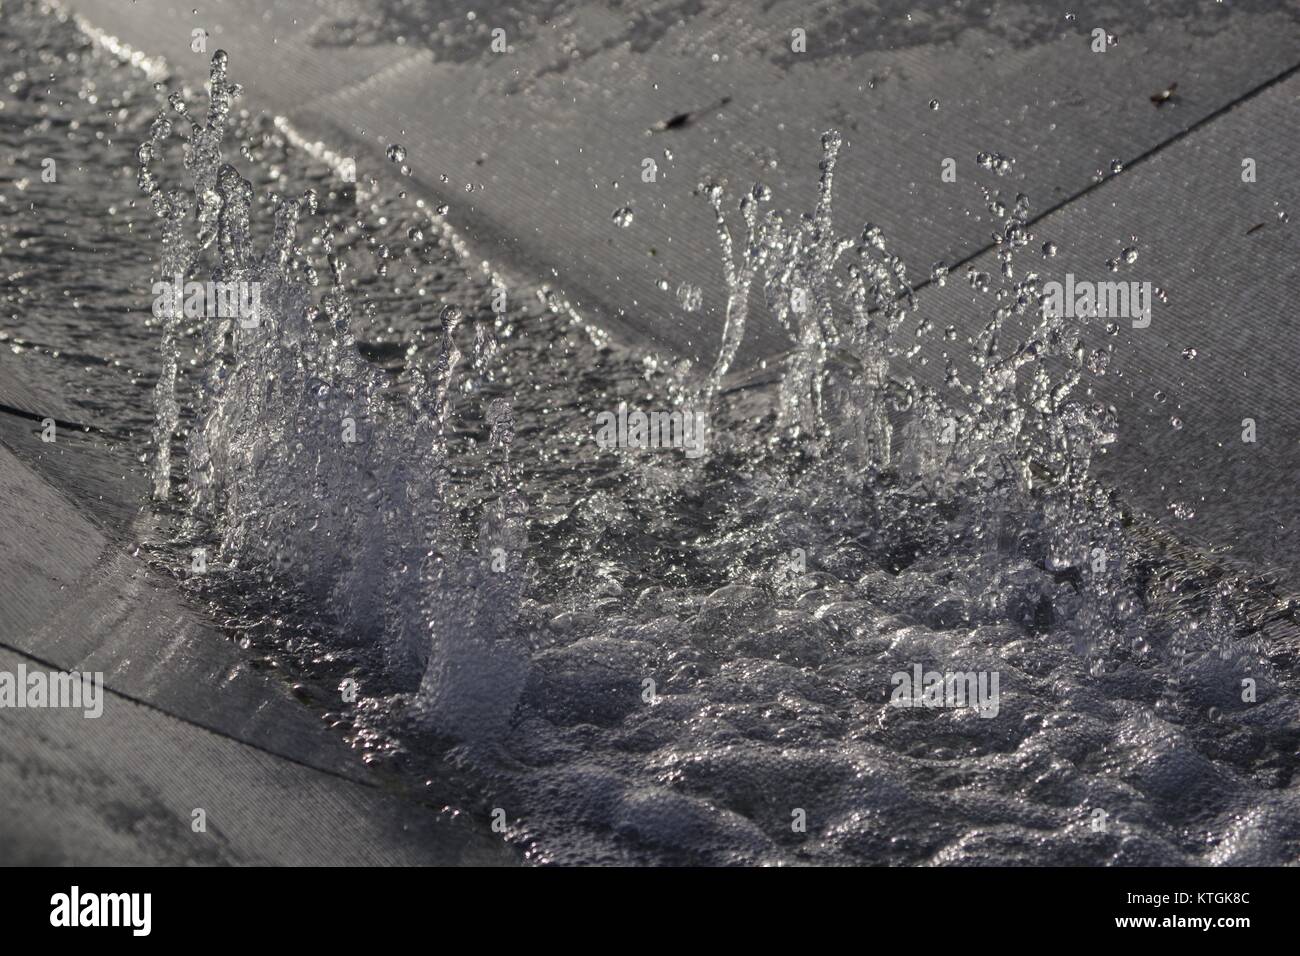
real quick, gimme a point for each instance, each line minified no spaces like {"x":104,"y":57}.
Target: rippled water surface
{"x":677,"y":660}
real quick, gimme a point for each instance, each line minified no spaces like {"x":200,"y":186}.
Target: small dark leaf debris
{"x":682,"y":120}
{"x":1165,"y":95}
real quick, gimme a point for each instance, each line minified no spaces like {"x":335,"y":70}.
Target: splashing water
{"x":1016,"y":420}
{"x":709,"y":649}
{"x":311,"y":469}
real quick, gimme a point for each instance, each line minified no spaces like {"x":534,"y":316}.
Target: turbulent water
{"x":636,"y":655}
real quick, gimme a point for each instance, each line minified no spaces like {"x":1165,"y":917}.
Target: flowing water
{"x":638,"y":655}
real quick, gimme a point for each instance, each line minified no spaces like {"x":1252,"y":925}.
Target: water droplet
{"x":1049,"y":250}
{"x":396,"y":153}
{"x":1176,"y":422}
{"x":622,"y":217}
{"x":995,"y":162}
{"x":979,"y":281}
{"x":1189,"y":353}
{"x":934,"y":104}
